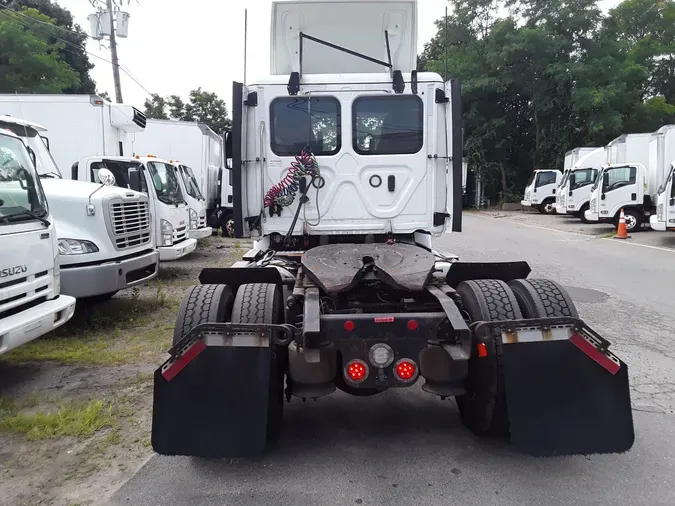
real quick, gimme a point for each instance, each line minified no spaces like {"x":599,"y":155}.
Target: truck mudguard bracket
{"x":455,"y":318}
{"x":504,"y":271}
{"x":235,"y":277}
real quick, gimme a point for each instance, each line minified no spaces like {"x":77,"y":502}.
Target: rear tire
{"x":202,"y":304}
{"x":542,"y":298}
{"x":483,"y":409}
{"x":262,"y":303}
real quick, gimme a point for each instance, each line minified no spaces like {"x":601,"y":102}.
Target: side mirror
{"x":32,"y":156}
{"x":46,"y":141}
{"x":573,"y":180}
{"x":135,"y":180}
{"x":672,"y":201}
{"x":228,"y":149}
{"x":570,"y":193}
{"x":605,"y":180}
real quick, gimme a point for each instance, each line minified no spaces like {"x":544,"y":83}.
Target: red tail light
{"x":356,"y":370}
{"x":406,"y":370}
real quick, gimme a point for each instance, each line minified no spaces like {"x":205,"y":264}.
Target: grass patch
{"x":608,"y":235}
{"x":205,"y":242}
{"x":70,"y":419}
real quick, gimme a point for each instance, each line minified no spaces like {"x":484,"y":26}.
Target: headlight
{"x":592,"y":206}
{"x":167,"y":233}
{"x":194,"y":219}
{"x":76,"y":247}
{"x":659,"y":212}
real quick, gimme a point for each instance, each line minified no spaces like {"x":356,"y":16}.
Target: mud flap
{"x":211,"y":397}
{"x":566,"y":393}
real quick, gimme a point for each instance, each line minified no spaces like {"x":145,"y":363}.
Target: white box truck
{"x":31,"y":304}
{"x":574,"y":192}
{"x":626,"y":182}
{"x":540,"y":192}
{"x":571,"y":158}
{"x":79,"y":125}
{"x":198,"y":152}
{"x":105,"y":236}
{"x":159,"y":181}
{"x":662,"y":157}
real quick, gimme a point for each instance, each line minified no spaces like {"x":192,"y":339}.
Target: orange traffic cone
{"x":621,"y":232}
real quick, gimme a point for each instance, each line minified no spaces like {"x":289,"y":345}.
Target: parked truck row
{"x":106,"y":215}
{"x":633,"y":173}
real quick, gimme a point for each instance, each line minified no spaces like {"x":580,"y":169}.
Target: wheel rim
{"x":229,"y":227}
{"x":549,"y":208}
{"x":631,"y":221}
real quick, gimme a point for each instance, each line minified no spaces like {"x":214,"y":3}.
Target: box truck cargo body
{"x":662,"y":160}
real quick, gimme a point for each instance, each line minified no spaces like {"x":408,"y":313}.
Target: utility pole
{"x":113,"y":54}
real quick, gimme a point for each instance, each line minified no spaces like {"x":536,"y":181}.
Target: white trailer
{"x":78,"y":125}
{"x":105,"y":239}
{"x":199,"y":150}
{"x":662,"y":157}
{"x":626,"y":182}
{"x":574,"y":192}
{"x":31,"y":304}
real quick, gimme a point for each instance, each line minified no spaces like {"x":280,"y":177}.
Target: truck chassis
{"x":363,"y":318}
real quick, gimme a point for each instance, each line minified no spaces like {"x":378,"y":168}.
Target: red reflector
{"x":412,"y":325}
{"x":182,"y":362}
{"x":385,"y":319}
{"x":406,"y":370}
{"x":595,"y":354}
{"x":482,"y":350}
{"x":349,"y":325}
{"x":356,"y":370}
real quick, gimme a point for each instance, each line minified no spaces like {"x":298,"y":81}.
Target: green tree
{"x":29,"y":63}
{"x":73,"y":51}
{"x":155,"y":107}
{"x":203,"y":107}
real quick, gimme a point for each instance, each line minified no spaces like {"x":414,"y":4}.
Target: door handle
{"x":602,"y":197}
{"x":633,"y":196}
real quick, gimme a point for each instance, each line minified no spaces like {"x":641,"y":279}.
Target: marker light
{"x":356,"y":371}
{"x":349,"y":325}
{"x":406,"y":370}
{"x":381,"y":355}
{"x":412,"y":325}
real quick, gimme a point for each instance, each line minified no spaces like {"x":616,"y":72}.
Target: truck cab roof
{"x":22,"y":122}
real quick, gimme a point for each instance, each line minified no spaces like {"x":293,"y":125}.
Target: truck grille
{"x":202,"y":222}
{"x":21,"y":294}
{"x":130,"y":223}
{"x":180,"y":234}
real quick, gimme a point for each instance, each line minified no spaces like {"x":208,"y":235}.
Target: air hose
{"x":283,"y":193}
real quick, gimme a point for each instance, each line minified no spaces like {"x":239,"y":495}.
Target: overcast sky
{"x":175,"y":46}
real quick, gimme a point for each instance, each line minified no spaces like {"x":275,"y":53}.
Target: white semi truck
{"x":540,"y":192}
{"x":31,"y":303}
{"x":158,"y":180}
{"x":662,"y":160}
{"x":200,"y":151}
{"x":105,"y":236}
{"x":574,"y":192}
{"x":340,"y":174}
{"x":625,"y":182}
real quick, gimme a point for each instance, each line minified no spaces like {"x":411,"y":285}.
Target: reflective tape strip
{"x":171,"y":369}
{"x":608,"y":360}
{"x":536,"y":334}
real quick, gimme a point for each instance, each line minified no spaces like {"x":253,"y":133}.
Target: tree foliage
{"x":28,"y":63}
{"x":552,"y":75}
{"x":69,"y":36}
{"x":202,"y":106}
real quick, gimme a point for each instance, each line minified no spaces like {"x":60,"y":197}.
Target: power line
{"x":51,"y":25}
{"x":23,"y":23}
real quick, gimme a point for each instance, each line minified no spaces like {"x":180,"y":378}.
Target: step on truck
{"x":199,"y":150}
{"x":574,"y":192}
{"x":346,"y":163}
{"x":104,"y":237}
{"x":158,"y":181}
{"x":540,"y":192}
{"x":627,"y":181}
{"x":31,"y":304}
{"x":662,"y":157}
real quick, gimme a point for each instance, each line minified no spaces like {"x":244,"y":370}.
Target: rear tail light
{"x":406,"y":370}
{"x":356,"y":371}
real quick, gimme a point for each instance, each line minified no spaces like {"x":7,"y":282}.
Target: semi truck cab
{"x":159,"y":181}
{"x":540,"y":192}
{"x":31,"y":304}
{"x":105,"y":238}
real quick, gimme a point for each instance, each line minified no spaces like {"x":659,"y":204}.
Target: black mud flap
{"x":567,"y":394}
{"x":211,"y":397}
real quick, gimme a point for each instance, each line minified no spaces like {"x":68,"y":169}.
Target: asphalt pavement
{"x":408,"y":447}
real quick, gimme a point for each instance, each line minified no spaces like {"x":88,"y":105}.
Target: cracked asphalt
{"x":407,"y":447}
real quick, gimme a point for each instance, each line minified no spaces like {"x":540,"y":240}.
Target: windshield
{"x":166,"y":183}
{"x":20,"y":189}
{"x":190,"y":181}
{"x":583,"y":177}
{"x":46,"y":166}
{"x":119,"y":168}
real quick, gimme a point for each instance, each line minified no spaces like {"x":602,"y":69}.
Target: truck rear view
{"x":344,"y":179}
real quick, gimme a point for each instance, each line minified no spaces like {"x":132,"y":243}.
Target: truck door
{"x":235,"y":152}
{"x":545,"y":185}
{"x":619,"y":187}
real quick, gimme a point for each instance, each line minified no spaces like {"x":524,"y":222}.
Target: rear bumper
{"x":32,"y":323}
{"x":201,"y":233}
{"x":183,"y":248}
{"x":91,"y":280}
{"x":659,"y":226}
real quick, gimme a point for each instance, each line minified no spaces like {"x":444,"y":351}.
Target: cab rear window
{"x":388,"y":125}
{"x":298,"y":122}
